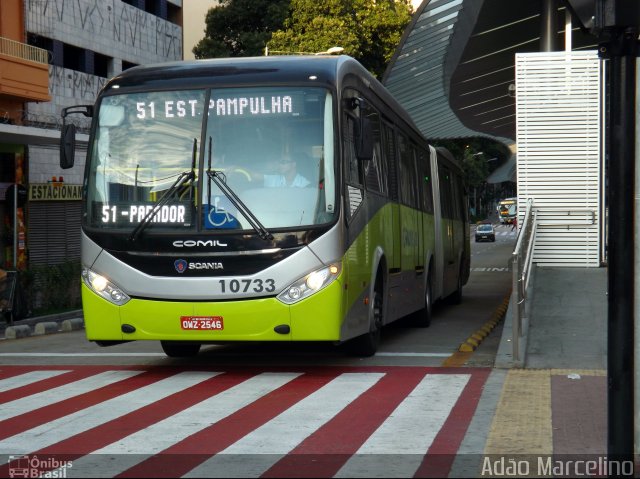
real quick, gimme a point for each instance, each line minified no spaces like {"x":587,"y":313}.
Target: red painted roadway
{"x":53,"y":429}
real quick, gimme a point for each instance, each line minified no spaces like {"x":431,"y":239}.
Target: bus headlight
{"x":103,"y":287}
{"x":310,"y":284}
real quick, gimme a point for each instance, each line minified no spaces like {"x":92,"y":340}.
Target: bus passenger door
{"x":409,"y":233}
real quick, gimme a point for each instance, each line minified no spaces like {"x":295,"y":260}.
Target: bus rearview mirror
{"x":67,"y":145}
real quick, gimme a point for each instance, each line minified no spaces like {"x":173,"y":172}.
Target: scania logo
{"x":180,"y":265}
{"x":209,"y":265}
{"x":196,"y":243}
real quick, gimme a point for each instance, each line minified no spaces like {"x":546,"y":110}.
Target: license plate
{"x":201,"y":322}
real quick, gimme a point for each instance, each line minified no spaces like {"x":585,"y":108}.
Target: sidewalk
{"x":555,"y":401}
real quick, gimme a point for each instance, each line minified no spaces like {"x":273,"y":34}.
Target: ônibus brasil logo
{"x":34,"y":466}
{"x":181,"y":265}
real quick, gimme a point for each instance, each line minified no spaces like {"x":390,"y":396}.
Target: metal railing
{"x":521,"y":268}
{"x":24,"y":51}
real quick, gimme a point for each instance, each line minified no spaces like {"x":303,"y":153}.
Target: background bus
{"x":507,"y":210}
{"x":190,"y":233}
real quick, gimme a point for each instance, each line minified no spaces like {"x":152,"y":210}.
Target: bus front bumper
{"x":317,"y":318}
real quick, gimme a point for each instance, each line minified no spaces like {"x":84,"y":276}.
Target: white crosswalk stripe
{"x":26,"y":379}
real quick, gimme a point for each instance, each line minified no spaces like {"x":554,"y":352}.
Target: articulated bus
{"x":262,"y":199}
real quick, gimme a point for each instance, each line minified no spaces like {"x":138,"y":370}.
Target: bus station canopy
{"x":454,"y":68}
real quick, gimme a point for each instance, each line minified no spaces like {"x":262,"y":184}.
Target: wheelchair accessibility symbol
{"x":220,"y":215}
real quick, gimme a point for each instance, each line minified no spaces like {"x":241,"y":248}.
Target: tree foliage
{"x":479,"y":156}
{"x":368,"y":30}
{"x":240,"y":28}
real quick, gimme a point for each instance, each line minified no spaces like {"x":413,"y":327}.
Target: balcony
{"x":24,"y":71}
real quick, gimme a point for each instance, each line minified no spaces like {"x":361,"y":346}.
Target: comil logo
{"x":34,"y":466}
{"x":180,"y":265}
{"x":197,"y":243}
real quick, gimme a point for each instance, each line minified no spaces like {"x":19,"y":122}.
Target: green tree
{"x":240,"y":28}
{"x":368,"y":30}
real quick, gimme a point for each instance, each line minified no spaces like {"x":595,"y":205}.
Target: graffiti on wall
{"x":131,"y":28}
{"x":74,"y":84}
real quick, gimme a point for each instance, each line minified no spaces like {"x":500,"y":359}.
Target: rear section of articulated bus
{"x":453,"y":251}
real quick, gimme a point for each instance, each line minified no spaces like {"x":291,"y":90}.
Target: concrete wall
{"x":109,"y":27}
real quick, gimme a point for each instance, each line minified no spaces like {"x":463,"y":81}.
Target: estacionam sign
{"x":54,"y":192}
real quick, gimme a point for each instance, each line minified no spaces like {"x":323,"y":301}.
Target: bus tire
{"x":180,"y":349}
{"x":422,"y":317}
{"x":367,"y":344}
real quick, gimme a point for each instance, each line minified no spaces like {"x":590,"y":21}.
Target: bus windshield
{"x":154,"y":156}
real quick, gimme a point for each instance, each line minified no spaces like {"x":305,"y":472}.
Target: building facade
{"x":54,"y":54}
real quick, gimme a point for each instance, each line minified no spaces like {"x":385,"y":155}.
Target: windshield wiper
{"x":219,"y":179}
{"x":181,"y":180}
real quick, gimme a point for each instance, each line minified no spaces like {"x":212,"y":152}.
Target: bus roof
{"x":240,"y":70}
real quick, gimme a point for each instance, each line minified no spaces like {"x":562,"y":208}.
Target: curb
{"x":466,"y":349}
{"x":72,"y":324}
{"x":46,"y":327}
{"x":16,"y":332}
{"x":50,"y":324}
{"x":473,"y":341}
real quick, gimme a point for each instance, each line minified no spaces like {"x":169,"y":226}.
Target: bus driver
{"x":285,"y":174}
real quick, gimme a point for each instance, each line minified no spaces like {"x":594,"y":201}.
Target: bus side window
{"x":390,"y":159}
{"x":351,"y":160}
{"x":353,"y":166}
{"x":374,"y":170}
{"x":408,"y":193}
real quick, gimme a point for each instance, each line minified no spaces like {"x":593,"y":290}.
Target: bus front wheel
{"x":367,"y":344}
{"x":180,"y":349}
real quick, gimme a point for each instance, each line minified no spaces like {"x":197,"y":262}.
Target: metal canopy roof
{"x":455,"y":62}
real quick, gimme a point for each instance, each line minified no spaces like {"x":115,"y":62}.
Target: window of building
{"x":73,"y":58}
{"x":101,"y":65}
{"x":174,"y":14}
